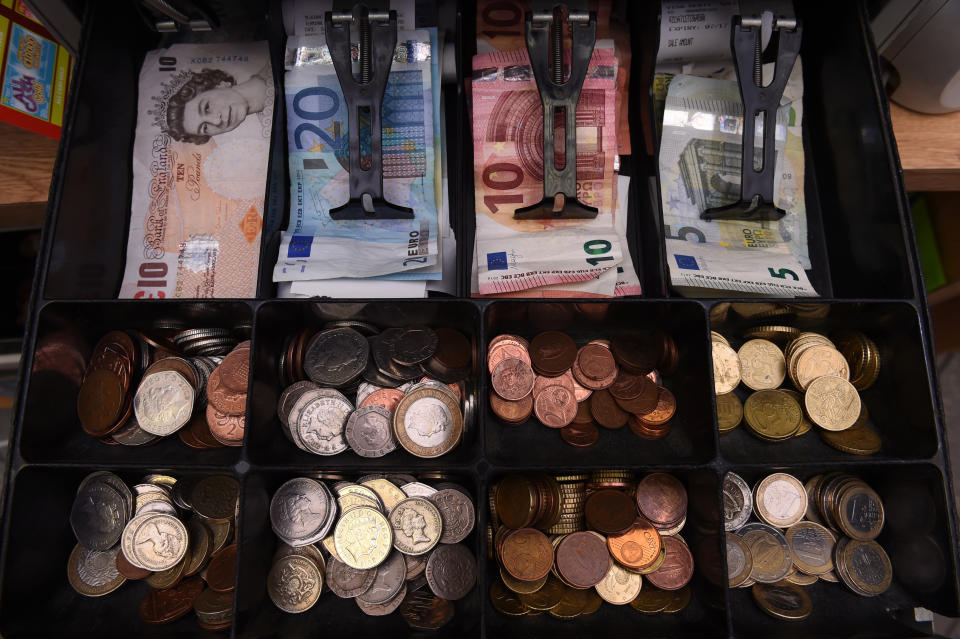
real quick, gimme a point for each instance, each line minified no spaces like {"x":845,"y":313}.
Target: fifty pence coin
{"x":300,"y":510}
{"x":98,"y":516}
{"x":336,"y":357}
{"x":163,"y":403}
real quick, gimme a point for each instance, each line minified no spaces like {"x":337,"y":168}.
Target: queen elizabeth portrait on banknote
{"x":210,"y":102}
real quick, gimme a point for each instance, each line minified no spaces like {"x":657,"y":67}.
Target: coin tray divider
{"x":861,"y":242}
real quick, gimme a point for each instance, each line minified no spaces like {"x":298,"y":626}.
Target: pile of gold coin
{"x":567,"y":543}
{"x":388,"y":542}
{"x":823,"y":529}
{"x":145,"y":534}
{"x":826,"y":377}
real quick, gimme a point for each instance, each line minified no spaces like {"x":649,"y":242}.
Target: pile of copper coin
{"x":354,"y":387}
{"x":567,"y":543}
{"x":179,"y":536}
{"x":607,"y":382}
{"x":389,"y":542}
{"x":141,"y":386}
{"x":821,"y":530}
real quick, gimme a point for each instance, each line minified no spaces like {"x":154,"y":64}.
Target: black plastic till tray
{"x":865,"y":264}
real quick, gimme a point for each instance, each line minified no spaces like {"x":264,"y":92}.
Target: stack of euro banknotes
{"x":320,"y":256}
{"x":555,"y":257}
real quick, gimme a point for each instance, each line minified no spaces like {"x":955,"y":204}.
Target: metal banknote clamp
{"x":757,"y":202}
{"x":171,"y":16}
{"x":376,"y":26}
{"x":544,"y":28}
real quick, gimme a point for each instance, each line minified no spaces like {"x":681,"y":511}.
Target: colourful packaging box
{"x":34,"y":72}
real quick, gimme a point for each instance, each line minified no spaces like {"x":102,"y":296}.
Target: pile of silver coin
{"x":202,"y":342}
{"x":378,"y":540}
{"x":393,"y":377}
{"x":171,"y":533}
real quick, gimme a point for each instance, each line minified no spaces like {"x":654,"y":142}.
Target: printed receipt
{"x":692,"y":31}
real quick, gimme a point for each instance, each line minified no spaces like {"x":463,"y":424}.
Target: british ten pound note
{"x":200,"y":155}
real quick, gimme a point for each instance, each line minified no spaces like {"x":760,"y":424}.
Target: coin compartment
{"x":37,"y":598}
{"x":50,"y":430}
{"x":703,"y":617}
{"x":915,"y":506}
{"x":266,"y":443}
{"x":859,"y":225}
{"x":691,"y":439}
{"x":257,"y":616}
{"x":900,"y":403}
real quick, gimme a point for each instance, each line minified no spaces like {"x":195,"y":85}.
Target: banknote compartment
{"x":37,"y":599}
{"x":257,"y":616}
{"x":916,"y":504}
{"x":466,"y":49}
{"x":50,"y":429}
{"x":900,"y":403}
{"x":279,"y":320}
{"x":704,"y":617}
{"x":860,"y":234}
{"x":90,"y":198}
{"x":532,"y":444}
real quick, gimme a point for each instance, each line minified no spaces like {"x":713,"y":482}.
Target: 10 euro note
{"x":501,"y":26}
{"x":700,"y":159}
{"x":200,"y":155}
{"x":619,"y":281}
{"x":514,"y":255}
{"x":315,"y":246}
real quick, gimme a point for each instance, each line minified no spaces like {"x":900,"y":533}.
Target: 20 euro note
{"x":200,"y":155}
{"x":514,"y":255}
{"x":315,"y":246}
{"x":700,"y":155}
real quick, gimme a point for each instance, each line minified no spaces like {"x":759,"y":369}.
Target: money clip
{"x":757,"y":201}
{"x":377,"y":36}
{"x":544,"y":26}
